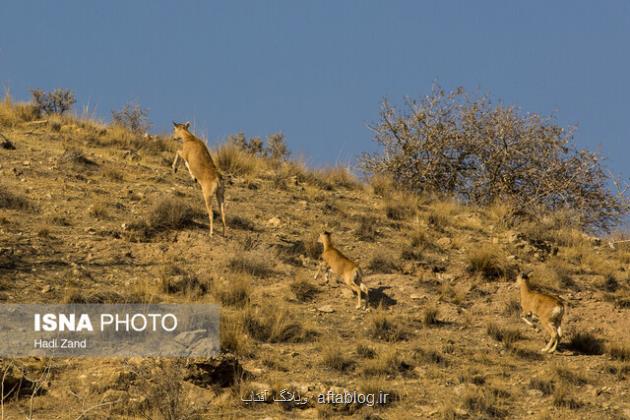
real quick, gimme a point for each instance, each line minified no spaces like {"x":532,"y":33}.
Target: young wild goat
{"x":197,"y":158}
{"x":543,"y":307}
{"x":340,"y":265}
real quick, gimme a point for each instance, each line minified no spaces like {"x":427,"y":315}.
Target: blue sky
{"x":318,"y":70}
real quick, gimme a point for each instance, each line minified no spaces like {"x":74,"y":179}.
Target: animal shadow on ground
{"x":378,"y":297}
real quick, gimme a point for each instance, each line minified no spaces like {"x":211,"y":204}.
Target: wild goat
{"x":540,"y":306}
{"x":340,"y":265}
{"x":197,"y":158}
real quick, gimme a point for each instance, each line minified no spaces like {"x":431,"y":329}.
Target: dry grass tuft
{"x":620,"y":352}
{"x":585,"y":343}
{"x":251,"y":263}
{"x":383,"y":263}
{"x":74,"y":158}
{"x":334,"y":359}
{"x":240,"y":222}
{"x":483,"y":403}
{"x":382,"y":390}
{"x":430,"y":356}
{"x":234,"y":292}
{"x":176,"y":280}
{"x":562,"y":398}
{"x":170,"y":213}
{"x":507,"y":336}
{"x":512,"y":309}
{"x":233,"y":160}
{"x":386,"y":363}
{"x":234,"y":338}
{"x":113,"y":175}
{"x":567,"y":376}
{"x":274,"y":325}
{"x":544,"y":386}
{"x":365,"y":351}
{"x":11,"y":201}
{"x":488,"y":262}
{"x":338,"y":176}
{"x":381,"y":326}
{"x":304,"y":290}
{"x":430,"y":317}
{"x":366,"y":229}
{"x":400,"y":209}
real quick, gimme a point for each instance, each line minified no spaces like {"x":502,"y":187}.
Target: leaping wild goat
{"x":342,"y":266}
{"x":197,"y":158}
{"x":546,"y":308}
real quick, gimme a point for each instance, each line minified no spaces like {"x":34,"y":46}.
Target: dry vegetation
{"x":92,"y":213}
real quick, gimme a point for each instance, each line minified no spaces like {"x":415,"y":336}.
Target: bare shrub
{"x":132,"y":117}
{"x":58,"y":101}
{"x":276,"y":147}
{"x":455,"y":144}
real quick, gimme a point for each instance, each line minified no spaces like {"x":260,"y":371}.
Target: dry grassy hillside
{"x":91,"y":213}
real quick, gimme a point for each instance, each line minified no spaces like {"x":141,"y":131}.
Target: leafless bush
{"x":276,"y":147}
{"x":56,"y":102}
{"x":133,"y":117}
{"x":454,"y":144}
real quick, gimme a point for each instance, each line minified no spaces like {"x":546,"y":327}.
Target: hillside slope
{"x":88,"y":214}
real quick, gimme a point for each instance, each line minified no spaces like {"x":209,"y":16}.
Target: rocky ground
{"x":88,"y":214}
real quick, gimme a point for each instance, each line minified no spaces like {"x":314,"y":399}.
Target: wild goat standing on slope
{"x":341,"y":266}
{"x":546,"y":308}
{"x":197,"y":158}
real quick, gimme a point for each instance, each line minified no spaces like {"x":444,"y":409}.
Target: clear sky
{"x":318,"y":70}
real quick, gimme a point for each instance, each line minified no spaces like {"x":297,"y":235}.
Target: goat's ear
{"x":187,"y":125}
{"x":175,"y":124}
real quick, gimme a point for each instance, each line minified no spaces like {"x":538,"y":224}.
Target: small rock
{"x":416,"y":296}
{"x":326,"y":309}
{"x":46,"y":289}
{"x":273,"y":222}
{"x":536,"y":393}
{"x":460,"y":412}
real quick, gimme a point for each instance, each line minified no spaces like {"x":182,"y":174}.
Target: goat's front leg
{"x":175,"y":162}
